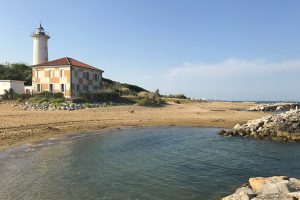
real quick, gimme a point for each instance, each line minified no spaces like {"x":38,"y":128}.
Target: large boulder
{"x":268,"y":188}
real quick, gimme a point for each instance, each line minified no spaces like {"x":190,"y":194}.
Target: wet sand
{"x":19,"y":126}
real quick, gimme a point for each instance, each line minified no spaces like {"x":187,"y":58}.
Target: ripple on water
{"x":148,"y":163}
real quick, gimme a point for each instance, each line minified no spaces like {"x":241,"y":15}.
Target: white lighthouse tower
{"x":40,"y":46}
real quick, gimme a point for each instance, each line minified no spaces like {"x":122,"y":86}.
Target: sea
{"x":166,"y":163}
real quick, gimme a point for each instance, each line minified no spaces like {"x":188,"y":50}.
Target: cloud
{"x":231,"y":79}
{"x":233,"y":67}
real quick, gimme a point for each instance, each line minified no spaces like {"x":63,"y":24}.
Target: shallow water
{"x":149,"y":163}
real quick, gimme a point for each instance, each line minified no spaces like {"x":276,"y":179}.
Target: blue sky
{"x":220,"y":49}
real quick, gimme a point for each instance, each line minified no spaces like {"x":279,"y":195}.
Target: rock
{"x":47,"y":106}
{"x":243,"y":193}
{"x":238,"y":126}
{"x":275,"y":107}
{"x":271,"y":185}
{"x":222,"y":132}
{"x":268,"y":188}
{"x":283,"y":126}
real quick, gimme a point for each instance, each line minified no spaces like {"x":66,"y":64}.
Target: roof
{"x":67,"y":61}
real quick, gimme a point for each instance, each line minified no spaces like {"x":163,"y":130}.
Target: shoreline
{"x":19,"y":126}
{"x":64,"y":136}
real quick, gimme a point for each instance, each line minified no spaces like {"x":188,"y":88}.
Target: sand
{"x":20,"y":126}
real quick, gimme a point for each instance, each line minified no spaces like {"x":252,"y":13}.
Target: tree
{"x":16,"y":71}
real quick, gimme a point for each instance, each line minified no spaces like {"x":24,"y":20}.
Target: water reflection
{"x":150,"y":163}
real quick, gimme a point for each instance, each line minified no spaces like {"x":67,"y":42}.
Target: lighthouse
{"x":40,"y":46}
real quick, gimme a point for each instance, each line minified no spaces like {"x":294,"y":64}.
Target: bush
{"x":177,"y":101}
{"x":42,"y":100}
{"x":57,"y":100}
{"x":58,"y":95}
{"x":46,"y":94}
{"x":9,"y":94}
{"x":150,"y":99}
{"x":22,"y":97}
{"x":56,"y":105}
{"x":106,"y":95}
{"x":78,"y":100}
{"x":177,"y":96}
{"x":47,"y":97}
{"x":86,"y":105}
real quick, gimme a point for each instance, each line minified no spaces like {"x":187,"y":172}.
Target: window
{"x":62,"y":88}
{"x":38,"y":87}
{"x":95,"y":77}
{"x":62,"y":73}
{"x":51,"y":74}
{"x":50,"y":87}
{"x":95,"y":88}
{"x":86,"y":75}
{"x":76,"y":74}
{"x":38,"y":74}
{"x":78,"y":88}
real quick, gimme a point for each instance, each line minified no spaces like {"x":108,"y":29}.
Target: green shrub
{"x":41,"y":100}
{"x":106,"y":95}
{"x":177,"y":96}
{"x":86,"y":105}
{"x":9,"y":94}
{"x":72,"y":105}
{"x":78,"y":100}
{"x":45,"y":103}
{"x":150,"y":99}
{"x":177,"y":101}
{"x":56,"y":100}
{"x":23,"y":96}
{"x":47,"y":97}
{"x":128,"y":99}
{"x":58,"y":95}
{"x":44,"y":94}
{"x":19,"y":100}
{"x":55,"y":104}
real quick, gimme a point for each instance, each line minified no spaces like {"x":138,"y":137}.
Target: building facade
{"x":17,"y":86}
{"x":66,"y":75}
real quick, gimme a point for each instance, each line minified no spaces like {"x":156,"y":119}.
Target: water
{"x":149,"y":163}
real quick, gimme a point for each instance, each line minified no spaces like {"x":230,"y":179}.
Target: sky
{"x":213,"y":49}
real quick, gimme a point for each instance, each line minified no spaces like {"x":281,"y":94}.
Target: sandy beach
{"x":20,"y":126}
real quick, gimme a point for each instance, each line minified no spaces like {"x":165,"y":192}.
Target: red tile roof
{"x":67,"y":61}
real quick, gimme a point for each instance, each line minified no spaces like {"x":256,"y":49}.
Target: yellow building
{"x":66,"y":75}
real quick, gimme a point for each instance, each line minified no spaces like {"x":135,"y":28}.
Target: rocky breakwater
{"x":275,"y":107}
{"x":261,"y":188}
{"x":283,"y":126}
{"x":60,"y":106}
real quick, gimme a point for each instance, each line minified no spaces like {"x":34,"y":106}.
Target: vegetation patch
{"x":151,"y":99}
{"x":16,"y":71}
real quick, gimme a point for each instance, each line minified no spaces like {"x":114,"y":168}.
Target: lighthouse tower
{"x":40,"y":46}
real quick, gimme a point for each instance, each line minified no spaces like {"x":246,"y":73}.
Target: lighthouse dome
{"x":40,"y":30}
